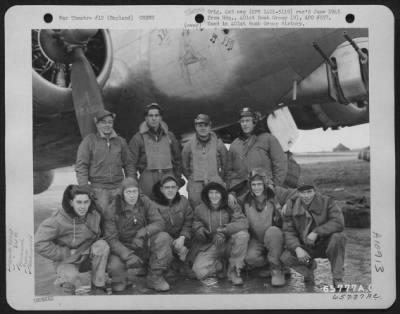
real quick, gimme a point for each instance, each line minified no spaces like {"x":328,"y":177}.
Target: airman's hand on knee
{"x":141,"y":233}
{"x":311,"y":238}
{"x":202,"y":234}
{"x":219,"y":240}
{"x":302,"y":255}
{"x":179,"y":242}
{"x":222,"y":229}
{"x":133,"y":261}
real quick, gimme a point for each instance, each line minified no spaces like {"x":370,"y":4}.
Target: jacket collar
{"x":210,"y":138}
{"x":92,"y":219}
{"x":144,"y":128}
{"x":64,"y":213}
{"x":113,"y":134}
{"x":315,"y":206}
{"x":161,"y":199}
{"x":121,"y":207}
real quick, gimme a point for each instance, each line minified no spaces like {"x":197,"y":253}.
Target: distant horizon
{"x":355,"y":150}
{"x":318,"y":140}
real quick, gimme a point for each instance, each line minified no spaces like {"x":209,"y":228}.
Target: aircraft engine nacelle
{"x":42,"y":181}
{"x":330,"y":115}
{"x":336,"y":93}
{"x":51,"y":66}
{"x":348,"y":73}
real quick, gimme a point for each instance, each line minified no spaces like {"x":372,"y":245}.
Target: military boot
{"x":264,"y":271}
{"x":234,"y":276}
{"x":338,"y":284}
{"x":140,"y":271}
{"x":307,"y":271}
{"x":157,"y":283}
{"x":68,"y":288}
{"x":277,"y":277}
{"x":221,"y":269}
{"x":172,"y":275}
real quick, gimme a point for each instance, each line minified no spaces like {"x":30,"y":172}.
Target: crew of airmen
{"x":238,"y":216}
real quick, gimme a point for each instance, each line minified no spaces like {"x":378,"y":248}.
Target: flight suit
{"x":104,"y":163}
{"x":200,"y":162}
{"x":122,"y":224}
{"x":64,"y":232}
{"x":257,"y":151}
{"x":322,"y":217}
{"x":154,"y":155}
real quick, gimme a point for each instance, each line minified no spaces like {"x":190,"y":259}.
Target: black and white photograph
{"x":231,"y":151}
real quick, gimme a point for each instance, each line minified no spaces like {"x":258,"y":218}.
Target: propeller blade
{"x":86,"y":93}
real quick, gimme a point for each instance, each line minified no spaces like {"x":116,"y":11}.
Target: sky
{"x":318,"y":140}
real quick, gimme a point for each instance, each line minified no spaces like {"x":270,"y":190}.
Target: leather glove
{"x":138,"y":240}
{"x":138,"y":243}
{"x":302,"y":255}
{"x":311,"y":238}
{"x":222,"y":229}
{"x":219,"y":240}
{"x":202,"y":235}
{"x":141,"y":233}
{"x":133,"y":261}
{"x":179,"y":243}
{"x":183,"y":253}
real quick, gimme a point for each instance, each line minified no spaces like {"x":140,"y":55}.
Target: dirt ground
{"x":340,"y":179}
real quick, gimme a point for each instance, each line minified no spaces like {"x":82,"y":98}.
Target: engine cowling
{"x":51,"y":84}
{"x":331,"y":97}
{"x":330,"y":115}
{"x":42,"y":181}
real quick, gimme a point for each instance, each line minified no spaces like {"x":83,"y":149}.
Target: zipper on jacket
{"x":209,"y":219}
{"x":73,"y":235}
{"x":109,"y":149}
{"x":170,"y":216}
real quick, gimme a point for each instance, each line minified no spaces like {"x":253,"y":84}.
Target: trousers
{"x":331,"y":247}
{"x":206,"y":262}
{"x":194,"y":189}
{"x":69,"y":273}
{"x":104,"y":197}
{"x":269,"y":251}
{"x":157,"y":259}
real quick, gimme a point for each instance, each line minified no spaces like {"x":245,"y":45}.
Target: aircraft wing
{"x":320,"y":75}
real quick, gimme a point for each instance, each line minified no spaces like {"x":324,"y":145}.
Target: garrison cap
{"x":153,"y":105}
{"x":305,"y":183}
{"x":101,"y":114}
{"x":202,"y":118}
{"x":247,"y":112}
